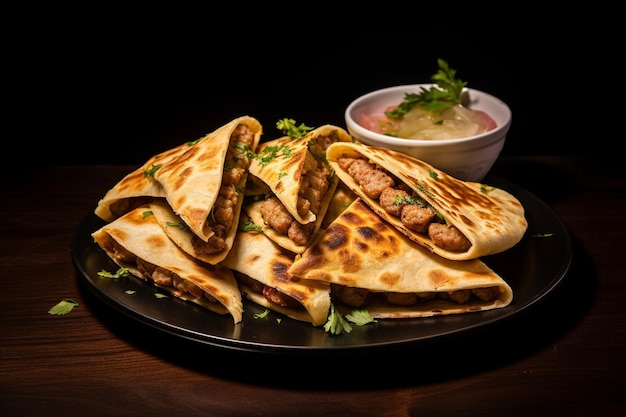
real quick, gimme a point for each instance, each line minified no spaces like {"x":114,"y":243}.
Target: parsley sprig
{"x":448,"y":93}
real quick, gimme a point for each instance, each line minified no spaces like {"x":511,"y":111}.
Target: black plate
{"x":533,"y":268}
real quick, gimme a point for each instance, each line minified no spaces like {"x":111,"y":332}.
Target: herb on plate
{"x":338,"y":324}
{"x":122,"y":272}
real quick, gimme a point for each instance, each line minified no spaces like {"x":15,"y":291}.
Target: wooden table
{"x":566,"y":356}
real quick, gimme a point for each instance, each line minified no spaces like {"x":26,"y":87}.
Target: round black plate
{"x":533,"y":268}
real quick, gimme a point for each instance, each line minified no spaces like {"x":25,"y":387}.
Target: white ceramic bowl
{"x":468,"y":158}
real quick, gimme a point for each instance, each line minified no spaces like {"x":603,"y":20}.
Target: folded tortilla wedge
{"x":187,"y":241}
{"x":455,"y":219}
{"x":261,"y":267}
{"x":176,"y":229}
{"x":136,"y":188}
{"x":298,"y":182}
{"x":137,"y":242}
{"x":205,"y":184}
{"x":370,"y":265}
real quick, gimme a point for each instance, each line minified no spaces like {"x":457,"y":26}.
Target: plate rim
{"x":256,"y":346}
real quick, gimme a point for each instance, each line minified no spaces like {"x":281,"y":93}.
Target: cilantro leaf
{"x":406,"y":199}
{"x":63,"y":307}
{"x":360,"y":317}
{"x":447,"y":94}
{"x":336,"y":324}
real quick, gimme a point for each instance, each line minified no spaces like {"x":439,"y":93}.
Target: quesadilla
{"x":137,"y":242}
{"x":455,"y":219}
{"x":372,"y":266}
{"x":136,"y":188}
{"x":298,"y":185}
{"x":203,"y":182}
{"x":261,"y":269}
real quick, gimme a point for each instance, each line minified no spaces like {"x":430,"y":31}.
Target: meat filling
{"x":315,"y":183}
{"x":361,"y":297}
{"x":158,"y":275}
{"x":271,"y":294}
{"x":223,"y":213}
{"x":397,"y":199}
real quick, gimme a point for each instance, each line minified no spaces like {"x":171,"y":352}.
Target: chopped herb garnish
{"x":243,"y":148}
{"x":63,"y":307}
{"x":151,"y":171}
{"x":122,"y":272}
{"x":289,"y":128}
{"x":181,"y":226}
{"x":542,"y":235}
{"x":269,"y":153}
{"x":435,"y":99}
{"x":193,"y":142}
{"x":146,"y":213}
{"x":424,"y":190}
{"x":262,"y":315}
{"x":160,"y":295}
{"x":249,"y":226}
{"x":485,"y":190}
{"x":405,"y":199}
{"x":130,"y":292}
{"x":433,"y":174}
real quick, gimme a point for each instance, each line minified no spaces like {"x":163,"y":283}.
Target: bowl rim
{"x":361,"y":131}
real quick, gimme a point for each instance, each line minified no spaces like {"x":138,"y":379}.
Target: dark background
{"x":111,"y":87}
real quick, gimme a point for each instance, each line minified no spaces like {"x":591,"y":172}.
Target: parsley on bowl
{"x":457,"y":129}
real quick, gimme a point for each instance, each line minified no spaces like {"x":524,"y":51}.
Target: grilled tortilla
{"x":137,"y":242}
{"x":136,"y":188}
{"x":298,"y":185}
{"x":370,"y":265}
{"x":455,"y":219}
{"x":342,"y":198}
{"x":204,"y":185}
{"x":202,"y":181}
{"x":176,"y":229}
{"x":261,"y":268}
